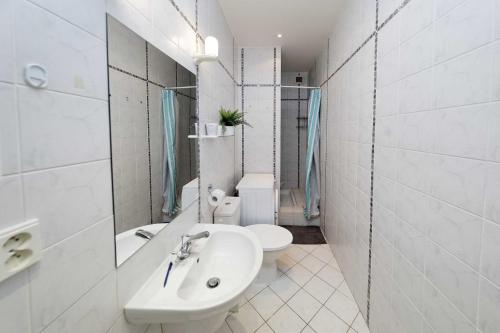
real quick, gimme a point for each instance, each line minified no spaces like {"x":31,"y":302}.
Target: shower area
{"x":294,"y":122}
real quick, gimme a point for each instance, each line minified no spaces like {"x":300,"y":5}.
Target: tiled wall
{"x":54,"y":156}
{"x":434,"y":250}
{"x":259,"y":95}
{"x":294,"y":104}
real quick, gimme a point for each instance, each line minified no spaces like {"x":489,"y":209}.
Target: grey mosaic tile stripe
{"x":243,"y":111}
{"x":298,"y":137}
{"x":274,"y":114}
{"x":372,"y":165}
{"x":128,"y":73}
{"x":149,"y":135}
{"x":198,"y":150}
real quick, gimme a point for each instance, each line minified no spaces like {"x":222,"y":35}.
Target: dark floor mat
{"x":306,"y":235}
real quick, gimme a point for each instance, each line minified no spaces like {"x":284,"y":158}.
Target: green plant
{"x":231,"y":118}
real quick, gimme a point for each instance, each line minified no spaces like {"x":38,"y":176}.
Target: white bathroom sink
{"x":186,"y":304}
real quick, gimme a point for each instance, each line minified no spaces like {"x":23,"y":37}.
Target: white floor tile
{"x":254,"y":289}
{"x":333,"y":262}
{"x":245,"y":321}
{"x":224,"y":328}
{"x":299,"y":274}
{"x":327,"y":322}
{"x":344,"y":289}
{"x":266,"y":303}
{"x":284,"y":287}
{"x":285,"y":263}
{"x":304,"y":305}
{"x":308,"y":247}
{"x":323,"y":253}
{"x":331,"y":276}
{"x":264,"y":329}
{"x":308,"y":329}
{"x":319,"y":289}
{"x":343,"y":307}
{"x":313,"y":264}
{"x":296,"y":252}
{"x":286,"y":321}
{"x":359,"y":324}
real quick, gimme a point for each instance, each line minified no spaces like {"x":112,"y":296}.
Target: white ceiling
{"x":305,"y":25}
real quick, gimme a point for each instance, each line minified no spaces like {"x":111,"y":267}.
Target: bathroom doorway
{"x":294,"y":122}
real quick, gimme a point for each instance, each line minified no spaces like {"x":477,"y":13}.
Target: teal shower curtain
{"x":169,"y":153}
{"x":312,"y":156}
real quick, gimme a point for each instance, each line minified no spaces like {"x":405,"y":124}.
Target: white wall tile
{"x":69,"y":199}
{"x":417,"y":15}
{"x":11,"y":201}
{"x":68,"y":270}
{"x":463,"y":80}
{"x":15,"y":304}
{"x":84,"y":14}
{"x":39,"y":33}
{"x":454,"y":279}
{"x":465,"y":28}
{"x":387,"y":7}
{"x":489,"y":307}
{"x":409,"y":279}
{"x":416,"y":53}
{"x":445,"y":6}
{"x":492,"y":196}
{"x":94,"y":312}
{"x":496,"y":18}
{"x":258,"y":65}
{"x":54,"y":124}
{"x":122,"y":326}
{"x":9,"y":130}
{"x":7,"y":65}
{"x":490,"y":265}
{"x":442,"y":315}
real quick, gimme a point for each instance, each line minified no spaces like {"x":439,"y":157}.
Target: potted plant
{"x":229,"y":119}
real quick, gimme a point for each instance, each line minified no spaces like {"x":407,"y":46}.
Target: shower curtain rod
{"x":173,"y":88}
{"x":300,"y":87}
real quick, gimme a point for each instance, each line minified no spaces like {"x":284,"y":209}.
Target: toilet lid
{"x":272,"y":237}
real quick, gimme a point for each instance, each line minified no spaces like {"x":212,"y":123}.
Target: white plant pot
{"x":228,"y":130}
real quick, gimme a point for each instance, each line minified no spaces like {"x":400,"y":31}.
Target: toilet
{"x":254,"y":211}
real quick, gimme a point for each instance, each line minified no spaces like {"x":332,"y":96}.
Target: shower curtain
{"x":169,"y":153}
{"x":312,"y":156}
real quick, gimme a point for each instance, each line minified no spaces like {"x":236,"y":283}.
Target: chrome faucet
{"x":186,"y":244}
{"x":144,"y":234}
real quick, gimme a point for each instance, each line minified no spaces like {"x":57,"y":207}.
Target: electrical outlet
{"x":20,"y":247}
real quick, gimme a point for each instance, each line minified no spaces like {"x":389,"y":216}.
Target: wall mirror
{"x":152,"y":105}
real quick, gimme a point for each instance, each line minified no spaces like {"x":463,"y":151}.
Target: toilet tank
{"x":228,"y":212}
{"x":256,"y":191}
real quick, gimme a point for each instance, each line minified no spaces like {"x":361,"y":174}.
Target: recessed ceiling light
{"x":280,"y":35}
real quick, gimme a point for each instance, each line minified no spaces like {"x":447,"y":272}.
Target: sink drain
{"x":213,"y":282}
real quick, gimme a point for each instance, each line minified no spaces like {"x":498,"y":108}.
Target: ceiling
{"x":304,"y":24}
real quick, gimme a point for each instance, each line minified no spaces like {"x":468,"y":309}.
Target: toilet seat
{"x":272,"y":237}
